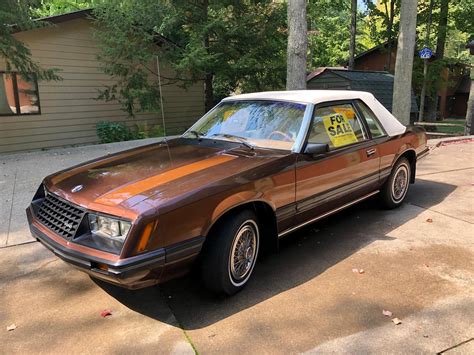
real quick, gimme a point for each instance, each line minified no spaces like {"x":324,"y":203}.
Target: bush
{"x":144,"y":130}
{"x":109,"y":132}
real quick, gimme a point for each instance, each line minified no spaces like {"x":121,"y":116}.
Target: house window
{"x":18,"y":94}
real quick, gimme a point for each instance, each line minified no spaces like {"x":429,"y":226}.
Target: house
{"x":453,"y":90}
{"x":37,"y":115}
{"x":452,"y":95}
{"x":377,"y":58}
{"x":379,"y":83}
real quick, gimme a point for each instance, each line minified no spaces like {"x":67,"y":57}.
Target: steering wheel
{"x":285,"y":136}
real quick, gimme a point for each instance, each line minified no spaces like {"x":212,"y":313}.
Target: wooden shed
{"x":379,"y":83}
{"x":37,"y":115}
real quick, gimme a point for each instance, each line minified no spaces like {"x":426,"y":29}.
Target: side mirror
{"x":316,"y":148}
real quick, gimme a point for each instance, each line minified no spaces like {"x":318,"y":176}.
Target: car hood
{"x":161,"y":171}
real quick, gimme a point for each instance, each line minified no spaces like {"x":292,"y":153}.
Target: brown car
{"x":252,"y":170}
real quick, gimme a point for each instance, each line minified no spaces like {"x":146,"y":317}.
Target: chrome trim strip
{"x":326,"y":214}
{"x":423,"y":154}
{"x":300,"y":138}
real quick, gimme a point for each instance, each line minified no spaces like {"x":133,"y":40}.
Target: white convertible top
{"x":391,"y":125}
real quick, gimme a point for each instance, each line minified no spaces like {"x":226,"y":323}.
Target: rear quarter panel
{"x":391,"y":148}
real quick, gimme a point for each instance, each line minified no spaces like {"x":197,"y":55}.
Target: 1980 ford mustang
{"x":252,"y":170}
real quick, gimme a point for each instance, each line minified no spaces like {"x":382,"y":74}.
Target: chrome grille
{"x":60,"y":216}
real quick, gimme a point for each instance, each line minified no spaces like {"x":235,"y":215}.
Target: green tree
{"x":129,"y":45}
{"x":329,"y":23}
{"x":231,"y":46}
{"x":15,"y":16}
{"x":44,"y":8}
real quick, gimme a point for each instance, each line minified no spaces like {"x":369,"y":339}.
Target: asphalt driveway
{"x":417,"y":262}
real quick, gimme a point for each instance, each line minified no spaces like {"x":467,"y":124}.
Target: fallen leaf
{"x":425,"y":335}
{"x":426,"y":265}
{"x":387,"y":313}
{"x":361,"y":271}
{"x":429,"y":220}
{"x":11,"y":327}
{"x":358,"y":271}
{"x":106,"y":313}
{"x":396,"y":321}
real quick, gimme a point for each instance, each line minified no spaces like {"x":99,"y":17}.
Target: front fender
{"x":232,"y":202}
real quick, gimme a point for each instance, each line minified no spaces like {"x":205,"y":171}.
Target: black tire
{"x":396,"y":187}
{"x":226,"y":239}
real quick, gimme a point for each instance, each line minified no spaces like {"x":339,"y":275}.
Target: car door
{"x":348,"y":171}
{"x":377,"y":132}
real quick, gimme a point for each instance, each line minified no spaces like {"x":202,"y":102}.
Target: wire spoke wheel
{"x":400,"y":183}
{"x":243,"y":252}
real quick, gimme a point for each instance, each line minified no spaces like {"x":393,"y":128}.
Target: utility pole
{"x":297,"y":45}
{"x":404,"y":63}
{"x":425,"y":64}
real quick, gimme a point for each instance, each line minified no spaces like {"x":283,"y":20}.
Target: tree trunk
{"x":404,"y":63}
{"x":442,"y":29}
{"x":297,"y":45}
{"x":469,"y":130}
{"x":352,"y":43}
{"x":388,"y":62}
{"x":440,"y":46}
{"x":209,"y":92}
{"x":425,"y":63}
{"x":208,"y":87}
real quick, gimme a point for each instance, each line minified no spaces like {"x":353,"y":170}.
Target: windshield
{"x":266,"y":124}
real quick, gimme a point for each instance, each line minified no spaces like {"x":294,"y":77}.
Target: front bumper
{"x":134,"y":272}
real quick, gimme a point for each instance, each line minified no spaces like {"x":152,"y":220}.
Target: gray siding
{"x":328,"y":80}
{"x":69,"y":109}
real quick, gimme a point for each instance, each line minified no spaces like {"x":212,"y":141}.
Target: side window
{"x":336,"y":125}
{"x":374,"y":126}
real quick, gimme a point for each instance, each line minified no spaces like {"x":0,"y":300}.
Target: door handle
{"x":371,"y":152}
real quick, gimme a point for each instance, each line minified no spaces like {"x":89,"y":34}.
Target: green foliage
{"x":15,"y":16}
{"x":109,"y":132}
{"x":329,"y":24}
{"x":145,"y":130}
{"x":44,"y":8}
{"x":462,"y":15}
{"x":240,"y":45}
{"x":379,"y":17}
{"x":433,"y":76}
{"x":128,"y":53}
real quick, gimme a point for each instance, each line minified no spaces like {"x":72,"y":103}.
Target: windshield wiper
{"x":238,"y":138}
{"x":196,"y":133}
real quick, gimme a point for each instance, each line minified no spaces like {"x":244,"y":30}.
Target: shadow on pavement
{"x":303,"y":256}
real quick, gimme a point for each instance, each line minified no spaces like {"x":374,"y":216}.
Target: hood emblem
{"x":77,"y":188}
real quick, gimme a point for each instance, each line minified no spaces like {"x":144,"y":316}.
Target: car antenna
{"x":161,"y":108}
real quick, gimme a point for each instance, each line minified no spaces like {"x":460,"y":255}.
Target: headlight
{"x":108,"y":227}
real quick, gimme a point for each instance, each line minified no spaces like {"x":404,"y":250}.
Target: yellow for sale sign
{"x":339,"y":130}
{"x":347,"y":112}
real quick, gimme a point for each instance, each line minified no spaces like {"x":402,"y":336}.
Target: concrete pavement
{"x":22,"y":173}
{"x":418,"y":263}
